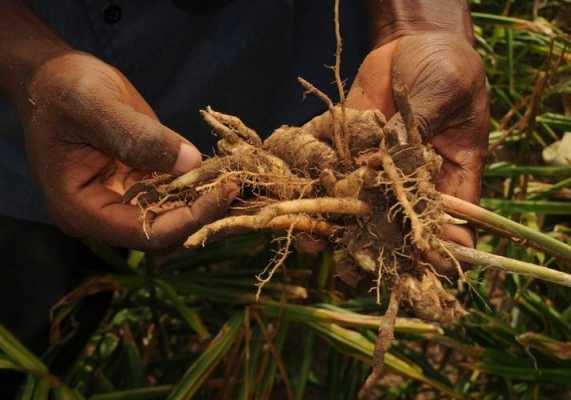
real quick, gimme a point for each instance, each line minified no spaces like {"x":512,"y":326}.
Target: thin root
{"x":384,"y":341}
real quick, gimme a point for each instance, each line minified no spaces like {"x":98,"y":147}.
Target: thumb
{"x":142,"y":142}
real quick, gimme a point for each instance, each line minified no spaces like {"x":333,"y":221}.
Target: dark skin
{"x":90,"y":134}
{"x":430,"y":45}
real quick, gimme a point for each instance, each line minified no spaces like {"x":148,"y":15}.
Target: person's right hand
{"x":89,"y":136}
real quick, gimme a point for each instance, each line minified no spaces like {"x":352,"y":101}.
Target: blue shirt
{"x":242,"y":58}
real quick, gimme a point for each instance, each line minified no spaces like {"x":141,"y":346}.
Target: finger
{"x":119,"y":122}
{"x":175,"y":226}
{"x":372,"y":86}
{"x":142,"y":142}
{"x":97,"y":212}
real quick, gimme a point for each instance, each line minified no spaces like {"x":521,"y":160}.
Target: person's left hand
{"x":447,"y":85}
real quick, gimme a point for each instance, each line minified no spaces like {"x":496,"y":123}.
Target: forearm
{"x":391,"y":19}
{"x":25,"y":44}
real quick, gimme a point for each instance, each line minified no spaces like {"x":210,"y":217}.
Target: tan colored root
{"x":355,"y":182}
{"x":429,"y":300}
{"x":384,"y":341}
{"x":236,"y":125}
{"x":221,"y":130}
{"x":209,"y":169}
{"x":302,"y":151}
{"x":365,"y":260}
{"x":364,"y":128}
{"x":395,"y":177}
{"x":324,"y":205}
{"x":302,"y":223}
{"x":279,"y":186}
{"x":252,"y":159}
{"x":328,"y":180}
{"x":339,"y":140}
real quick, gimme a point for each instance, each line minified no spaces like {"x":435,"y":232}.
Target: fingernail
{"x":188,"y":158}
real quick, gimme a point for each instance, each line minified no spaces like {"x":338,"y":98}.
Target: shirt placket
{"x":105,"y":17}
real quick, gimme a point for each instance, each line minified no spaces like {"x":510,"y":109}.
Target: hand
{"x":89,"y":136}
{"x":446,"y":81}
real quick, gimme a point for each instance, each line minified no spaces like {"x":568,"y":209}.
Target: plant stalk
{"x":505,"y":226}
{"x":473,"y":256}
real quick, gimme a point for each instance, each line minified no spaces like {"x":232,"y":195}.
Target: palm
{"x":447,"y":88}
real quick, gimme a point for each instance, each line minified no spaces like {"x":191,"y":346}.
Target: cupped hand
{"x":447,"y":87}
{"x":89,"y":136}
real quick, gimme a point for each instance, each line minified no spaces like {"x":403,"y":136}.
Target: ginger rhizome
{"x":367,"y":192}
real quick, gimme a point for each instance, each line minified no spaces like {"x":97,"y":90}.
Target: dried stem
{"x":338,"y":51}
{"x":341,"y":145}
{"x":402,"y":101}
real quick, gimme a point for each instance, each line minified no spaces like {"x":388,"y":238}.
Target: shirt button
{"x":112,"y":13}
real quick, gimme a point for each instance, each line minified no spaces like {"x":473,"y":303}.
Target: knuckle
{"x":463,"y":71}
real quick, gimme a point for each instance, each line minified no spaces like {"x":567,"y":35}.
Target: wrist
{"x":26,"y":44}
{"x":391,"y":19}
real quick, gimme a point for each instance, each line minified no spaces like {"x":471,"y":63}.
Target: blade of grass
{"x":510,"y":170}
{"x":343,"y":317}
{"x":19,"y":354}
{"x":510,"y":58}
{"x":199,"y":371}
{"x":275,"y":344}
{"x":554,"y":188}
{"x":304,"y":369}
{"x":523,"y":206}
{"x":135,"y":366}
{"x":65,"y":393}
{"x":7,"y":363}
{"x":150,"y":393}
{"x":361,"y":345}
{"x":29,"y":387}
{"x":42,"y":390}
{"x":546,"y":344}
{"x":190,"y":316}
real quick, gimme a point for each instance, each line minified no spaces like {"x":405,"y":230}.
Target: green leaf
{"x":135,"y":367}
{"x":357,"y":344}
{"x":190,"y":316}
{"x":65,"y":393}
{"x":18,"y":354}
{"x":523,"y":206}
{"x":303,"y":375}
{"x":29,"y":387}
{"x":209,"y":359}
{"x":150,"y":393}
{"x":42,"y":390}
{"x":510,"y":170}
